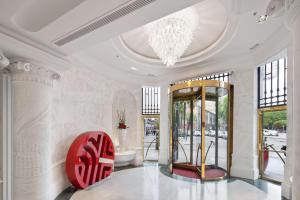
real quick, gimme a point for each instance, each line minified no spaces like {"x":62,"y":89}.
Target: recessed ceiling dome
{"x":211,"y":23}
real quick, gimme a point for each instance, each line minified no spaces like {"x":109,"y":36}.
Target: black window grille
{"x":272,"y":83}
{"x":151,"y":101}
{"x":225,"y":77}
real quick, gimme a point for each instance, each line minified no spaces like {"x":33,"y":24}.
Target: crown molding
{"x":23,"y":70}
{"x":22,"y":46}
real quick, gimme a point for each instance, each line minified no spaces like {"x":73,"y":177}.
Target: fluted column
{"x":31,"y":134}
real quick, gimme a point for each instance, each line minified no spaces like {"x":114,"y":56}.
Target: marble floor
{"x":151,"y":182}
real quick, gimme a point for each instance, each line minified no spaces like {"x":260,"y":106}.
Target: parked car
{"x":268,"y":132}
{"x":223,"y":134}
{"x":198,"y":133}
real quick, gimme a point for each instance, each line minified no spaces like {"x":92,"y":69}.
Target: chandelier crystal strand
{"x":170,"y":36}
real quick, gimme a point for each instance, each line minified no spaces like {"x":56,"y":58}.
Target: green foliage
{"x":223,"y":110}
{"x":280,"y":124}
{"x":157,"y":123}
{"x":275,"y":119}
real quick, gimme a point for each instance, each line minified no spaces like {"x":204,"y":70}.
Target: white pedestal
{"x":122,"y":135}
{"x":124,"y":158}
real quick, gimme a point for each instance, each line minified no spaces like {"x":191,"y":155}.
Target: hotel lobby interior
{"x":149,"y":99}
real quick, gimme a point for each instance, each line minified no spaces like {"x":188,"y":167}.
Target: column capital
{"x":292,"y":13}
{"x":28,"y":71}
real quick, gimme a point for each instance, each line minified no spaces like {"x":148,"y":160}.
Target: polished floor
{"x":151,"y":183}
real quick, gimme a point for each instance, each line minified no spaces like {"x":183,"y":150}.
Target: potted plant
{"x":122,"y":130}
{"x":122,"y":120}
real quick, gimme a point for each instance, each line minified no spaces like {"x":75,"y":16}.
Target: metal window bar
{"x":272,"y":83}
{"x":221,"y":77}
{"x":150,"y":100}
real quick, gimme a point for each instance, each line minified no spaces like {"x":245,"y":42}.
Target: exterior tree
{"x":275,"y":120}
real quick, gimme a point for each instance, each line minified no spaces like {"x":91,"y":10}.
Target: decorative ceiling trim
{"x":32,"y":50}
{"x":217,"y":46}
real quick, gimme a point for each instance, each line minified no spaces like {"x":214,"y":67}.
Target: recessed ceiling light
{"x":262,"y":19}
{"x":133,"y":68}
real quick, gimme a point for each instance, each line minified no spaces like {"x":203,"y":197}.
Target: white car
{"x":270,"y":132}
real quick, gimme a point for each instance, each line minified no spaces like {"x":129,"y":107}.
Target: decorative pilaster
{"x":293,"y":161}
{"x":31,"y":135}
{"x":296,"y":107}
{"x":164,"y":132}
{"x":245,"y":156}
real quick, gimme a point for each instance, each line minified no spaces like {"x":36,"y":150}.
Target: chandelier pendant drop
{"x":170,"y":36}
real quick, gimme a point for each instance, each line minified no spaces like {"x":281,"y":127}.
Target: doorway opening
{"x":151,"y":138}
{"x":272,"y":142}
{"x":272,"y":118}
{"x":201,"y":131}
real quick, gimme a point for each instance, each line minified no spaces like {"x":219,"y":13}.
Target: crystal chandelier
{"x":170,"y":36}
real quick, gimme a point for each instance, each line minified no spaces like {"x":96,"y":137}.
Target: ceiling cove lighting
{"x":170,"y":36}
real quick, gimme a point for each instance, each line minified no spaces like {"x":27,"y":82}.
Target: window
{"x":272,"y":83}
{"x":225,"y":77}
{"x":151,"y":101}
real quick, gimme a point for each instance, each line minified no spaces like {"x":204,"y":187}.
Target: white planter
{"x":124,"y":158}
{"x":122,"y":139}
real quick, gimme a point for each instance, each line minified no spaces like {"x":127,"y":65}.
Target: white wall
{"x":83,"y":101}
{"x":49,"y":114}
{"x":124,"y":100}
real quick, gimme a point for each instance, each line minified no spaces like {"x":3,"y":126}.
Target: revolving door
{"x":201,"y":136}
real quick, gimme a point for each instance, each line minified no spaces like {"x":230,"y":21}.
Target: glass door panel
{"x":197,"y":132}
{"x":182,"y":131}
{"x":211,"y":131}
{"x":215,"y":151}
{"x":274,"y":144}
{"x":222,"y":124}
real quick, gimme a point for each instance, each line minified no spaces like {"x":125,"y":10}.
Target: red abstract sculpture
{"x":90,"y":159}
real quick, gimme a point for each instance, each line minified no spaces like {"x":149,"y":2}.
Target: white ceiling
{"x":241,"y":33}
{"x":29,"y":28}
{"x":212,"y":20}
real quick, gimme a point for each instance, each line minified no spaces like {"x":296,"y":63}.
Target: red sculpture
{"x":90,"y":159}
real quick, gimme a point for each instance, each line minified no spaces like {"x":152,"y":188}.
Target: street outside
{"x":152,"y":154}
{"x":275,"y":167}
